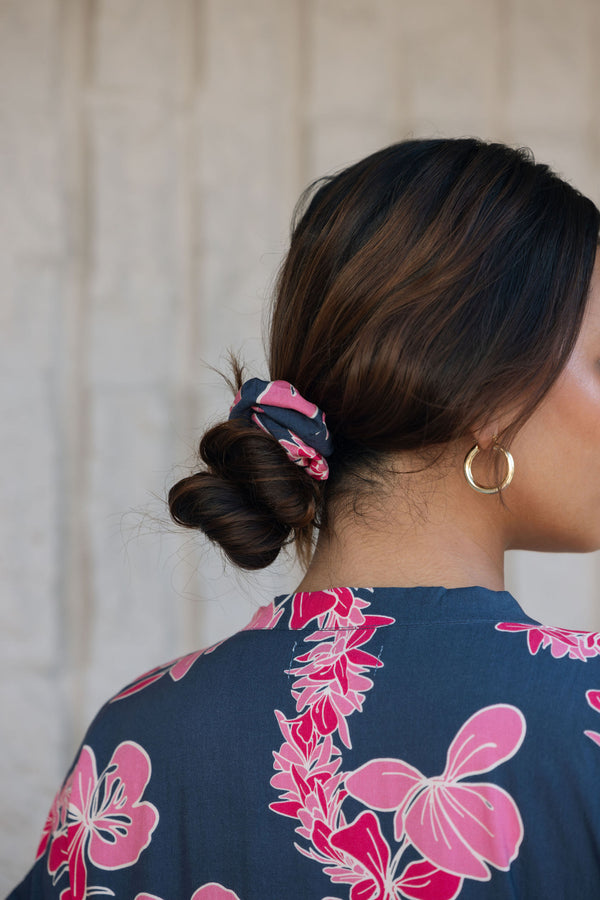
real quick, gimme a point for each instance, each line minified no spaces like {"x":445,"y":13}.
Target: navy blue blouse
{"x":371,"y":744}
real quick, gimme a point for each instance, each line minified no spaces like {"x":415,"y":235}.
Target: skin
{"x":432,"y":528}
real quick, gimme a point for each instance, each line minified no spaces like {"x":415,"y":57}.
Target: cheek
{"x":573,"y":411}
{"x":557,"y":466}
{"x":570,"y":413}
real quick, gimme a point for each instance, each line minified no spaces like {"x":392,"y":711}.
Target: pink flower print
{"x":457,"y":827}
{"x":331,"y":682}
{"x":177,"y":668}
{"x":422,"y":881}
{"x":303,"y":455}
{"x":593,"y":698}
{"x":329,"y":685}
{"x":182,"y":666}
{"x":212,"y":891}
{"x":281,"y":394}
{"x":335,"y":608}
{"x":366,"y":857}
{"x":56,"y":818}
{"x":107,"y":822}
{"x":266,"y":617}
{"x":562,"y":641}
{"x":370,"y":857}
{"x":307,"y":767}
{"x":284,"y":395}
{"x":309,"y":605}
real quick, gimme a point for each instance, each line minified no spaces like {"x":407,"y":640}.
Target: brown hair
{"x":426,"y":286}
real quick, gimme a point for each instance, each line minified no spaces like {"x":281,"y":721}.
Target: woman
{"x":397,"y":727}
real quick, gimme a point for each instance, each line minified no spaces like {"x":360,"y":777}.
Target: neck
{"x":460,"y":542}
{"x":403,"y":563}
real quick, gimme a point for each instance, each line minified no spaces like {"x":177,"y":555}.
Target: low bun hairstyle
{"x":426,"y":287}
{"x":250,"y":498}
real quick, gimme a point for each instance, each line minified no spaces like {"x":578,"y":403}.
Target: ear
{"x":486,"y":434}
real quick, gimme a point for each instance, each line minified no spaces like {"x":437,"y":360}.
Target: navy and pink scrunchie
{"x":299,"y":426}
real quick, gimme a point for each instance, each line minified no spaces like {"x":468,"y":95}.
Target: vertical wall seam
{"x":593,"y":124}
{"x":402,"y":113}
{"x":503,"y":14}
{"x":189,"y":314}
{"x":304,"y":16}
{"x":75,"y":601}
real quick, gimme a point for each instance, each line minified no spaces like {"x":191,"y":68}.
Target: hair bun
{"x":251,"y":499}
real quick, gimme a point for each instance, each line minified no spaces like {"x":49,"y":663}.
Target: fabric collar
{"x":427,"y":605}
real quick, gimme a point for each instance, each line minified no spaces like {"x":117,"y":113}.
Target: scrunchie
{"x":299,"y":426}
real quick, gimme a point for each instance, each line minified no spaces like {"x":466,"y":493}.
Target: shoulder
{"x":559,"y":642}
{"x":171,"y":673}
{"x":198,"y":688}
{"x":559,"y":671}
{"x":563,"y":660}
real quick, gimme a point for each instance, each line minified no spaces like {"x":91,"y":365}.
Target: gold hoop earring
{"x":510,"y":463}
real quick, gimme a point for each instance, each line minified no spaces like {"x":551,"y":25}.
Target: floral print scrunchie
{"x":299,"y":426}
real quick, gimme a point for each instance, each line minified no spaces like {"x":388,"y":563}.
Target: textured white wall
{"x":151,"y":152}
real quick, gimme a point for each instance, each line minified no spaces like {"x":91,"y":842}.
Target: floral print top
{"x":349,"y":744}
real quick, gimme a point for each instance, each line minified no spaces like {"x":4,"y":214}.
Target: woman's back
{"x":363,"y":743}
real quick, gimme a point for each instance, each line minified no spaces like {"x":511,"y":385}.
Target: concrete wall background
{"x":151,"y":152}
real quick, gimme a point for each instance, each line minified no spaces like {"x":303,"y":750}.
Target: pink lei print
{"x":562,"y":641}
{"x":458,"y":828}
{"x":101,"y":819}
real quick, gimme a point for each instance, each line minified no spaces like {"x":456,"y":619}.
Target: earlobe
{"x":486,"y":436}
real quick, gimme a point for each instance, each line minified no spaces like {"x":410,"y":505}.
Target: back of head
{"x":426,"y":287}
